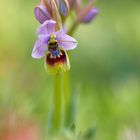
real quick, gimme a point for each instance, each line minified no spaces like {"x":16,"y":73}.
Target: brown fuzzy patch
{"x":58,"y":60}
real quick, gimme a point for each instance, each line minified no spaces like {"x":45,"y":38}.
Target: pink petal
{"x":40,"y":47}
{"x":47,"y":28}
{"x":65,"y":40}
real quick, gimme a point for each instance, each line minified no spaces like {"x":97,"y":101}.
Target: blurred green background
{"x":105,"y":68}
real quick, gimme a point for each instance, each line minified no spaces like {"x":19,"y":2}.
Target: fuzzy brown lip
{"x":57,"y":60}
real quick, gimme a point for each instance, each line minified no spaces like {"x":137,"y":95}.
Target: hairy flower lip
{"x":58,"y":60}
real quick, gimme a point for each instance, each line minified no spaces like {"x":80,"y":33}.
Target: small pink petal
{"x":40,"y":47}
{"x":66,"y":41}
{"x":47,"y":28}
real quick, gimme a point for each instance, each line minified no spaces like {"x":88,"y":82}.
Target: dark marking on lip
{"x":61,"y":59}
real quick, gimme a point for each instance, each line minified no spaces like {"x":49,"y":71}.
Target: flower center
{"x":53,"y":46}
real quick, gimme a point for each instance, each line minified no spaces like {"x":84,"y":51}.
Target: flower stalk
{"x":57,"y":101}
{"x":67,"y":92}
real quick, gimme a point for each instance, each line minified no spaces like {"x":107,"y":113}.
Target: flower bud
{"x":63,"y":7}
{"x":90,"y":15}
{"x":56,"y":15}
{"x":74,"y":4}
{"x":41,"y":13}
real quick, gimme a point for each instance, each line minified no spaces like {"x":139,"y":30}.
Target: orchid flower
{"x":53,"y":45}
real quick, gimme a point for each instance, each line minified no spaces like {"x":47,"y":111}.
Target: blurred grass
{"x":106,"y":65}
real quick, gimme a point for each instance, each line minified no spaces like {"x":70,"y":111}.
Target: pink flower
{"x":53,"y":45}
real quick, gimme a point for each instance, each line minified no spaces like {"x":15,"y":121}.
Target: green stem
{"x":67,"y":74}
{"x":66,"y":84}
{"x":66,"y":89}
{"x":57,"y":101}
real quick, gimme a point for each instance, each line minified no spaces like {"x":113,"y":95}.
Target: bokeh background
{"x":105,"y":71}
